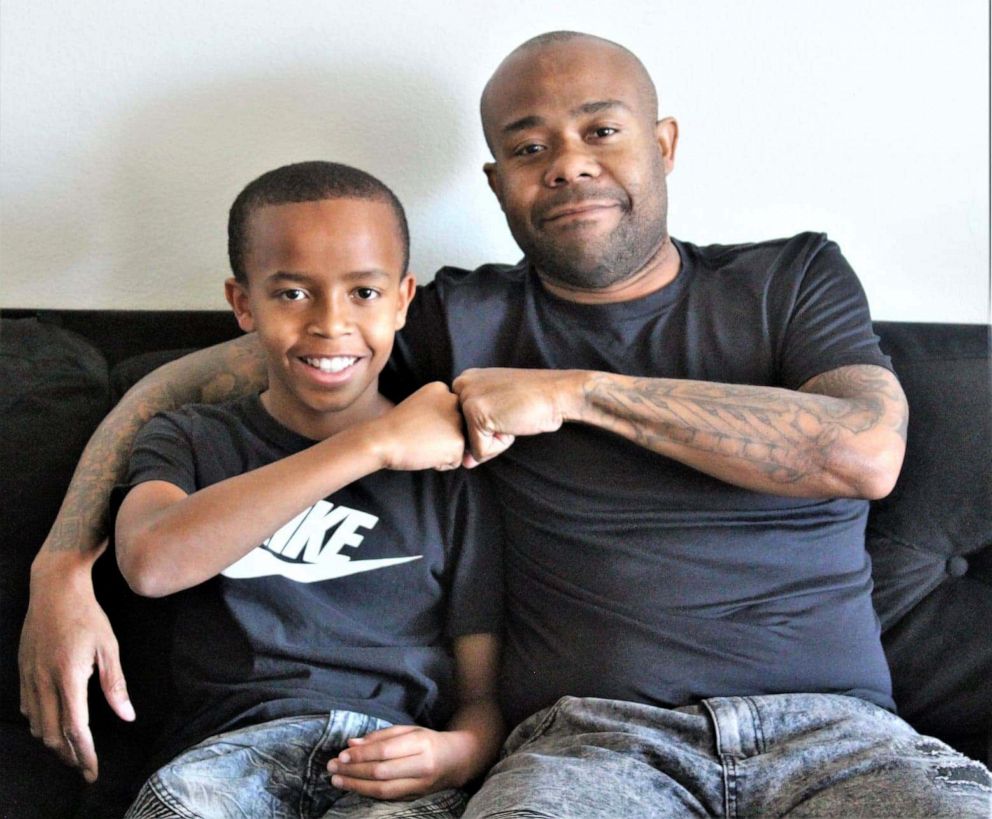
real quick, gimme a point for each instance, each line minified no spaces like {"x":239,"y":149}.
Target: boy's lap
{"x":277,"y":769}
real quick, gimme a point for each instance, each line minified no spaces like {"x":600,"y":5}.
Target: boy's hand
{"x":423,"y":432}
{"x":399,"y":762}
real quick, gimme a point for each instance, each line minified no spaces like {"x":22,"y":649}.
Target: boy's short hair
{"x":305,"y":182}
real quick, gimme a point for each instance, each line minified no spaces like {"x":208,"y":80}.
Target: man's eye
{"x":528,"y":150}
{"x":605,"y":131}
{"x":366,"y":293}
{"x":293,"y":294}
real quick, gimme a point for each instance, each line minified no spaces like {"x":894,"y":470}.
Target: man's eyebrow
{"x":597,"y":106}
{"x":523,"y":124}
{"x":592,"y":107}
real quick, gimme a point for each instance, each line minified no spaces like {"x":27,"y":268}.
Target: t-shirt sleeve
{"x":161,"y":452}
{"x":830,"y":324}
{"x":475,"y":544}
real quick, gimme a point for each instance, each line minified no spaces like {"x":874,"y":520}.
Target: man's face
{"x":580,"y":162}
{"x":326,"y":294}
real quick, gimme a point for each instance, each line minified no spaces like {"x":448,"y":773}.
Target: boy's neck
{"x":316,"y":425}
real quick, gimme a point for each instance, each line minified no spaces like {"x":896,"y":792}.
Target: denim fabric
{"x":276,"y":770}
{"x":783,"y":755}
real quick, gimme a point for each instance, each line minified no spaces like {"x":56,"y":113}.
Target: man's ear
{"x":237,"y":296}
{"x":408,"y":289}
{"x":666,"y":132}
{"x":492,"y":177}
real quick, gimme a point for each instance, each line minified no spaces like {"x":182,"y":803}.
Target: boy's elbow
{"x":142,"y":574}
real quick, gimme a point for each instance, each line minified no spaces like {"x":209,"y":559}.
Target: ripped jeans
{"x":781,"y":755}
{"x":276,"y":770}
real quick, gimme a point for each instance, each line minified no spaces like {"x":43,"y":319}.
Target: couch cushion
{"x":931,"y":539}
{"x":55,"y":391}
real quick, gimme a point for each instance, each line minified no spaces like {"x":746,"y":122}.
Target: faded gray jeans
{"x":782,"y":755}
{"x":275,"y":770}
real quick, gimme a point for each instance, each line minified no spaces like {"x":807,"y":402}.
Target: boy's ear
{"x":408,"y":289}
{"x":237,"y":296}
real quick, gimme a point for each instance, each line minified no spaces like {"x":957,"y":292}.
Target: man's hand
{"x":399,"y":762}
{"x":499,"y":404}
{"x":422,"y":432}
{"x":65,"y":635}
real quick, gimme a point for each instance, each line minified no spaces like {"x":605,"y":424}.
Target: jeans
{"x":783,"y":755}
{"x":276,"y":770}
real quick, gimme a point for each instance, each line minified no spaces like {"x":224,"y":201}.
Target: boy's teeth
{"x":332,"y":365}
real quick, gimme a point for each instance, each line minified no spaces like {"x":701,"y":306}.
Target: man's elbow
{"x":879,"y":472}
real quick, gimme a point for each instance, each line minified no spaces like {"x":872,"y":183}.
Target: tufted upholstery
{"x":930,"y":540}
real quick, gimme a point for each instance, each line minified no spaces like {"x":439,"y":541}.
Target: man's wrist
{"x":63,"y":568}
{"x":570,"y":394}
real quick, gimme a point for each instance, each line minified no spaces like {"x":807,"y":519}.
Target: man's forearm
{"x":211,"y":375}
{"x":847,"y":443}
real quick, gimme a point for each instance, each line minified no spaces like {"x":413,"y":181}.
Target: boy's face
{"x":326,"y":294}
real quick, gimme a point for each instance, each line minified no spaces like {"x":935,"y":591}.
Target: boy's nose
{"x":330,"y":320}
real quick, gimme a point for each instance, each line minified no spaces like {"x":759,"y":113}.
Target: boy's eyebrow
{"x":592,"y":107}
{"x":303,"y":278}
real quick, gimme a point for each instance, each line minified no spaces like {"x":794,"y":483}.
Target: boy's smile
{"x":326,"y":294}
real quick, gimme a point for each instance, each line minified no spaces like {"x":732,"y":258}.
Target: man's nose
{"x":571,"y":161}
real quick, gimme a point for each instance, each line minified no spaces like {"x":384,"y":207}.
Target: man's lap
{"x":276,"y":769}
{"x":801,"y":755}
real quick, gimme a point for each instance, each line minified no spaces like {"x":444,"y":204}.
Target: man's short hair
{"x":305,"y":182}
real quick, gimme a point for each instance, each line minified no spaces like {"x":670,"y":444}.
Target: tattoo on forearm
{"x":786,"y":436}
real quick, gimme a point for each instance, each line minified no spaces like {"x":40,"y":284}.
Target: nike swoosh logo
{"x":262,"y":563}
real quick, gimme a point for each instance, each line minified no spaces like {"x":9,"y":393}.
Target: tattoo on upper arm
{"x":786,"y":435}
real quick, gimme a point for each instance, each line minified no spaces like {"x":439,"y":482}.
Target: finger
{"x":392,"y":789}
{"x":48,"y":722}
{"x":485,"y":445}
{"x":391,"y":748}
{"x":29,"y":699}
{"x":75,"y":725}
{"x":384,"y":733}
{"x":113,"y":683}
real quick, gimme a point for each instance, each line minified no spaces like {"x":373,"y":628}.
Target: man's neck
{"x":660,"y":270}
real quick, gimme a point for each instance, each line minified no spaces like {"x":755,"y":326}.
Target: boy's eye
{"x":293,"y":294}
{"x":366,"y":293}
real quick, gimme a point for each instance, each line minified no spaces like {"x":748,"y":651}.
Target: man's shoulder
{"x":488,"y":278}
{"x":800,"y":248}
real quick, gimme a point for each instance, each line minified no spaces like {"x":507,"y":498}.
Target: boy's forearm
{"x":165,"y":545}
{"x":477,"y":731}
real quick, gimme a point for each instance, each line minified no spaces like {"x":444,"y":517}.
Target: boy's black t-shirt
{"x":629,"y":575}
{"x":351,"y":605}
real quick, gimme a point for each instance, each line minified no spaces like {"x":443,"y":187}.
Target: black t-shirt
{"x":351,"y":605}
{"x":629,"y":575}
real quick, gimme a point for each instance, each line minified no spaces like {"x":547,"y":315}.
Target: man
{"x":683,"y":451}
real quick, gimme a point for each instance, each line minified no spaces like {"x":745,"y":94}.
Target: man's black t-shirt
{"x":351,"y":605}
{"x":629,"y":575}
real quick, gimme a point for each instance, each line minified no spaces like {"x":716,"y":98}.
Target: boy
{"x":318,"y":663}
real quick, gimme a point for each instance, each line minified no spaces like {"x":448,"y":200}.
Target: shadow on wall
{"x":147,"y":200}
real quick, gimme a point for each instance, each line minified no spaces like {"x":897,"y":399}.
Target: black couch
{"x":930,"y":540}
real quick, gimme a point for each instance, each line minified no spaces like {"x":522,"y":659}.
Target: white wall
{"x":126,"y":129}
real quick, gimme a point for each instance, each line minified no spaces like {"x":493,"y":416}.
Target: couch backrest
{"x":931,"y":539}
